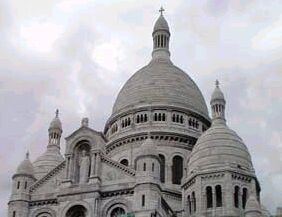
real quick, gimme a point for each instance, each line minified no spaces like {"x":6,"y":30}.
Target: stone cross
{"x":161,"y":10}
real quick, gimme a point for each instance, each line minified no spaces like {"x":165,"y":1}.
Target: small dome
{"x":56,"y":122}
{"x":46,"y":162}
{"x":220,"y":147}
{"x":25,"y":168}
{"x":252,"y":205}
{"x":217,"y":93}
{"x":161,"y":24}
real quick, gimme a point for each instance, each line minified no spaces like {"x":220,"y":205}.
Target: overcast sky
{"x":75,"y":55}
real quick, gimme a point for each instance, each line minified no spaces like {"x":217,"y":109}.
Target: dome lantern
{"x":55,"y":131}
{"x":161,"y":36}
{"x":218,"y":105}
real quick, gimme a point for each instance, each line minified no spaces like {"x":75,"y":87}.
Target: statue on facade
{"x":84,"y":164}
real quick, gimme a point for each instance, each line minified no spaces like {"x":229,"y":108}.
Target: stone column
{"x":92,"y":167}
{"x":67,"y":168}
{"x":98,"y":164}
{"x":168,"y":177}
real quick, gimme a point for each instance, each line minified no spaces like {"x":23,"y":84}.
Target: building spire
{"x":57,"y":113}
{"x":27,"y":155}
{"x":161,"y":36}
{"x":218,"y":104}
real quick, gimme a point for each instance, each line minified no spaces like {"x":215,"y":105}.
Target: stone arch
{"x":82,"y":145}
{"x":177,"y":169}
{"x":117,"y":202}
{"x":84,"y":136}
{"x":124,"y":161}
{"x":89,"y":211}
{"x":44,"y":211}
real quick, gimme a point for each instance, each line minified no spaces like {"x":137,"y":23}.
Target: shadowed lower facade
{"x":160,"y":154}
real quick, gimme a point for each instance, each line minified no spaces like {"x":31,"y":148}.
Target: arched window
{"x":173,"y":118}
{"x":77,"y":210}
{"x":14,"y":213}
{"x":218,"y":194}
{"x":160,"y":117}
{"x":153,"y":167}
{"x":194,"y":202}
{"x":162,"y":168}
{"x":236,"y":196}
{"x":244,"y":197}
{"x":145,"y":118}
{"x":117,"y":212}
{"x":124,"y":162}
{"x":163,"y":117}
{"x":177,"y":170}
{"x":137,"y":119}
{"x":189,"y":204}
{"x":18,"y":185}
{"x":143,"y":200}
{"x":181,"y":119}
{"x":144,"y":167}
{"x":155,"y":117}
{"x":209,"y":197}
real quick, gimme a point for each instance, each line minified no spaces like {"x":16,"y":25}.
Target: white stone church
{"x":160,"y":155}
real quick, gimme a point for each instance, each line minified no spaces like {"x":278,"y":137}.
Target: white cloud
{"x":269,"y":38}
{"x":39,"y":36}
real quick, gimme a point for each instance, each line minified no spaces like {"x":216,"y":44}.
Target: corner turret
{"x":22,"y":180}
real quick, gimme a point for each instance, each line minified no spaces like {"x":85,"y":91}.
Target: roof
{"x":160,"y":83}
{"x":220,"y":147}
{"x":161,"y":24}
{"x":25,"y":167}
{"x":46,"y":162}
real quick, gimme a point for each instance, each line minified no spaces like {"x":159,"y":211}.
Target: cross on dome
{"x":161,"y":10}
{"x":27,"y":155}
{"x":57,"y":113}
{"x":217,"y":83}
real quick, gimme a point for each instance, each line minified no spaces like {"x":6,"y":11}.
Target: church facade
{"x":160,"y":154}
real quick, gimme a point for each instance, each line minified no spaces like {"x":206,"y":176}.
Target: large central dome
{"x":160,"y":83}
{"x":160,"y":97}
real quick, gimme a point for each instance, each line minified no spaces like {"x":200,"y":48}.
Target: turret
{"x":55,"y":132}
{"x":146,"y":193}
{"x":218,"y":105}
{"x":161,"y":36}
{"x":22,"y":180}
{"x":52,"y":156}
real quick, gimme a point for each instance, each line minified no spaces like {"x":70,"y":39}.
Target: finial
{"x":217,"y":83}
{"x":161,"y":10}
{"x":84,"y":122}
{"x":57,"y":113}
{"x":27,"y":155}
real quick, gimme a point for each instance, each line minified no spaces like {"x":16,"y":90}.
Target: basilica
{"x":160,"y":155}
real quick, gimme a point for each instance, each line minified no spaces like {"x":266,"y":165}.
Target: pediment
{"x":95,"y":138}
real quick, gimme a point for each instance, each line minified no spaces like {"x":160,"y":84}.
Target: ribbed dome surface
{"x":220,"y":146}
{"x":56,"y":123}
{"x":161,"y":24}
{"x":161,"y":83}
{"x":46,"y":162}
{"x":217,"y":94}
{"x":25,"y":167}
